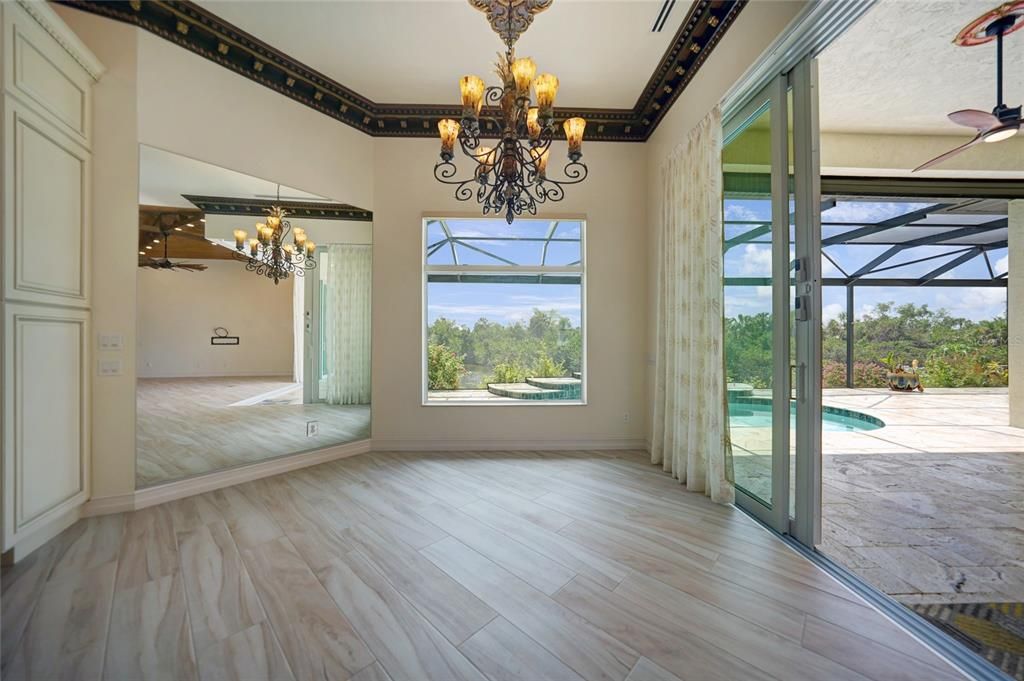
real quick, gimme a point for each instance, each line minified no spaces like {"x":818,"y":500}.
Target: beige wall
{"x":193,"y":107}
{"x":1015,"y":310}
{"x":612,"y":200}
{"x":897,"y":155}
{"x":179,"y":310}
{"x":115,"y":229}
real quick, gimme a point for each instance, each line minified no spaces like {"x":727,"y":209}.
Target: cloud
{"x":973,"y":303}
{"x":504,"y":313}
{"x":739,"y":212}
{"x":827,"y":268}
{"x":860,"y":212}
{"x":756,"y":261}
{"x":832,"y":311}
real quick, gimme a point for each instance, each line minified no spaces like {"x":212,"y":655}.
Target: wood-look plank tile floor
{"x":435,"y":567}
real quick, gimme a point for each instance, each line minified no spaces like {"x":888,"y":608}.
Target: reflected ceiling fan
{"x":1003,"y":122}
{"x":168,"y":225}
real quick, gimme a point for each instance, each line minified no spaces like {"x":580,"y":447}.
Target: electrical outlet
{"x":625,"y":417}
{"x":312,"y":428}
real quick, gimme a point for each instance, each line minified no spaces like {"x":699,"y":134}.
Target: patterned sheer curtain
{"x":690,"y":430}
{"x":346,"y":324}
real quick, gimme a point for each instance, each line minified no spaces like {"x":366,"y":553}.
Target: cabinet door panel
{"x":46,"y":436}
{"x":47,"y":214}
{"x":41,"y":72}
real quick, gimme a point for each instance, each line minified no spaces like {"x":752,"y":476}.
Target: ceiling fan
{"x":168,"y":225}
{"x":1003,"y":122}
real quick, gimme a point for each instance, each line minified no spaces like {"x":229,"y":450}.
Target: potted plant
{"x":900,"y":377}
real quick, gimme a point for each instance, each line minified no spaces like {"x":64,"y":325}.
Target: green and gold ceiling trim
{"x":202,"y":32}
{"x":226,"y":205}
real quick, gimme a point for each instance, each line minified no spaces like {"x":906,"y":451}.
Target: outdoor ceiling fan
{"x":1003,"y":122}
{"x":168,"y":225}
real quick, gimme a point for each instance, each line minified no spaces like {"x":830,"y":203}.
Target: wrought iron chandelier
{"x":512,"y":177}
{"x":269,"y":254}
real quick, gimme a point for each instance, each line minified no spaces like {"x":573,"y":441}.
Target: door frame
{"x":805,"y":525}
{"x":773,"y":98}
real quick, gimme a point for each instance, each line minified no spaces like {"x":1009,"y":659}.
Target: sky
{"x":754,"y":260}
{"x":510,"y":303}
{"x":465,"y":303}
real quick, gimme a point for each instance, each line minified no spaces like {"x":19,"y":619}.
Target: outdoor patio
{"x":930,"y":508}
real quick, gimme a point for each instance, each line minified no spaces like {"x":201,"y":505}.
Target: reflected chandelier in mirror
{"x":269,"y":254}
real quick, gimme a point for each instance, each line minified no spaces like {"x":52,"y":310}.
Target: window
{"x":503,"y":311}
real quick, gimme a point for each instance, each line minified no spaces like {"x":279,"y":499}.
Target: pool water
{"x":759,"y":415}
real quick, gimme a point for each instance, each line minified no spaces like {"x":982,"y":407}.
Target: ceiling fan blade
{"x":949,"y":154}
{"x":973,"y":118}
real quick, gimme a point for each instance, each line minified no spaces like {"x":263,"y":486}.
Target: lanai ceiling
{"x":897,"y":70}
{"x":603,"y":52}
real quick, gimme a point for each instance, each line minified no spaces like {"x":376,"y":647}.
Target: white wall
{"x":612,"y":199}
{"x":179,"y":310}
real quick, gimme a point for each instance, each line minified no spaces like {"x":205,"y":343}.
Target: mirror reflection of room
{"x":250,"y":346}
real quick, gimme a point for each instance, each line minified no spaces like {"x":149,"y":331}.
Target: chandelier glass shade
{"x":510,"y":178}
{"x":270,"y":253}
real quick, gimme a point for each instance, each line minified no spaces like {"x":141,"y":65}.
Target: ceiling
{"x":603,"y":52}
{"x":164,"y":176}
{"x":897,"y":70}
{"x":187,"y":235}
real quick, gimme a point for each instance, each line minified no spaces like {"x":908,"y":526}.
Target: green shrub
{"x":547,"y":368}
{"x":444,"y":368}
{"x":508,"y":373}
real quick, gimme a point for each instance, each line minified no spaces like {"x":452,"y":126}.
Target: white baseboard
{"x":45,"y":533}
{"x":179,"y":489}
{"x":501,"y":445}
{"x":150,"y":496}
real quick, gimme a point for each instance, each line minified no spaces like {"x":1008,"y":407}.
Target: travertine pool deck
{"x":929,"y":508}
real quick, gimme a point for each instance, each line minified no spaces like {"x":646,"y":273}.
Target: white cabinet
{"x":45,"y":186}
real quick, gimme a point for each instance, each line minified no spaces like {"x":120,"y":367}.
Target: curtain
{"x":689,"y":436}
{"x":346,"y":324}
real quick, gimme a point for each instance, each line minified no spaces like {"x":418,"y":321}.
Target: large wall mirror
{"x":233,"y":367}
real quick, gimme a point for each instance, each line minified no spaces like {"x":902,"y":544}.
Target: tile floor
{"x":929,"y":508}
{"x":189,"y":426}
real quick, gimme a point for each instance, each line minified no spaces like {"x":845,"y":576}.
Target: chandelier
{"x":268,"y":254}
{"x":511,"y":177}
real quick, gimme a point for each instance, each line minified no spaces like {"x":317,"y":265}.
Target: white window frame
{"x":427,"y":269}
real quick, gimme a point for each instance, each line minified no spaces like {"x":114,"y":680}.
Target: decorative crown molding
{"x":44,"y":15}
{"x":198,"y":30}
{"x":225,"y":205}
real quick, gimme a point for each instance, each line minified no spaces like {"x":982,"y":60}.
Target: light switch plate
{"x":109,"y":367}
{"x":111,"y":342}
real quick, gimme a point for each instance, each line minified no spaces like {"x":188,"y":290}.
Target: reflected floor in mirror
{"x":190,"y":426}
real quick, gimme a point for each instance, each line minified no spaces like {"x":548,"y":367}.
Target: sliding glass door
{"x":756,"y":331}
{"x":770,"y":177}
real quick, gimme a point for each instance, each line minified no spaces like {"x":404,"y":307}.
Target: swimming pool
{"x":757,"y":413}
